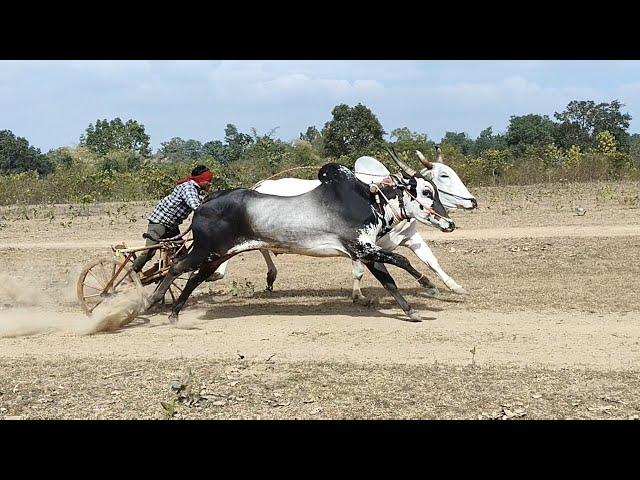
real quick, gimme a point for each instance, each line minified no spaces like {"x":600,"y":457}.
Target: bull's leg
{"x":397,"y":260}
{"x":358,"y":271}
{"x":203,"y":274}
{"x":187,"y":264}
{"x":382,"y":274}
{"x":272,"y":271}
{"x":375,"y":254}
{"x":424,"y":253}
{"x":220,"y":272}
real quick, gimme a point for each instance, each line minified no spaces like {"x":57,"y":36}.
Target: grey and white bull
{"x":453,"y":194}
{"x":338,"y":218}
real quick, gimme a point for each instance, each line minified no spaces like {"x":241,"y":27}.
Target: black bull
{"x":339,"y":218}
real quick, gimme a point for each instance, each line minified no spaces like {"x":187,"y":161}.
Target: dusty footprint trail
{"x":556,"y":340}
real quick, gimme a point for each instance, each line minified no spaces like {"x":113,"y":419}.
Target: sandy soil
{"x":550,"y":328}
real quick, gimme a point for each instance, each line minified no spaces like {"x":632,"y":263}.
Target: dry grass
{"x":589,"y":282}
{"x":309,"y":390}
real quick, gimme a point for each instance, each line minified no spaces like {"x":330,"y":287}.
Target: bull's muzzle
{"x":450,"y":228}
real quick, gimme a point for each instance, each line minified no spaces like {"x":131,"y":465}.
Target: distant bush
{"x":82,"y":176}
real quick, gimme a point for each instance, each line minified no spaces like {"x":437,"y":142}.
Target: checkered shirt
{"x":175,"y":207}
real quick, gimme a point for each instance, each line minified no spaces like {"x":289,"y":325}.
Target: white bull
{"x":453,"y":194}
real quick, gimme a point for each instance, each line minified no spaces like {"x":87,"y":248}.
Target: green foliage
{"x":634,"y":145}
{"x":110,"y":166}
{"x":314,"y":138}
{"x":529,"y":130}
{"x":488,"y":141}
{"x":116,"y":135}
{"x":408,"y":141}
{"x":236,"y":143}
{"x":582,"y":121}
{"x":496,"y":162}
{"x":121,"y":161}
{"x":551,"y":156}
{"x":170,"y":409}
{"x":16,"y":155}
{"x":304,"y":153}
{"x":311,"y":135}
{"x":606,"y":143}
{"x":179,"y":150}
{"x":459,"y":141}
{"x":216,"y":150}
{"x":60,"y":157}
{"x":352,"y":132}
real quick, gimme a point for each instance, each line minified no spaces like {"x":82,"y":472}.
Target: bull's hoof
{"x":414,"y":316}
{"x":432,"y":292}
{"x":269,"y":288}
{"x":173,"y":318}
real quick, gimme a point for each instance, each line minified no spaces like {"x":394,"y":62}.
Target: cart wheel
{"x":94,"y":278}
{"x":176,"y":288}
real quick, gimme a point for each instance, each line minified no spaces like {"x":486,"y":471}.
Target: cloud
{"x":51,"y":101}
{"x":269,"y":83}
{"x":511,"y":91}
{"x":297,"y":86}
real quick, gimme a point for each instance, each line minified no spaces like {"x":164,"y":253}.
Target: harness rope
{"x":402,"y":215}
{"x":454,"y":195}
{"x":399,"y":217}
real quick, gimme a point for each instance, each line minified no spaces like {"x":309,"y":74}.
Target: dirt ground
{"x":550,"y":328}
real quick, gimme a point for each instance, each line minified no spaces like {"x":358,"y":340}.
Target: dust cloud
{"x":24,"y":312}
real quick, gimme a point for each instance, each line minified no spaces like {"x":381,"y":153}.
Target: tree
{"x":313,"y":138}
{"x":115,"y":135}
{"x":459,"y":141}
{"x":408,"y":141}
{"x":179,"y":150}
{"x":582,"y":121}
{"x":17,"y":156}
{"x":488,"y":141}
{"x":352,"y":132}
{"x":237,"y":143}
{"x":570,"y":134}
{"x":530,"y":130}
{"x":311,"y":135}
{"x":216,"y":150}
{"x":60,"y":157}
{"x":634,"y":145}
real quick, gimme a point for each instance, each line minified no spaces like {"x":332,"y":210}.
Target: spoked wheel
{"x":176,"y":288}
{"x":98,"y":282}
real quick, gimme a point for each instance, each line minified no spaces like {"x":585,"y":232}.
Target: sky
{"x":52,"y":102}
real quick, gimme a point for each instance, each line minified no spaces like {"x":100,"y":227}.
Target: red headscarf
{"x":199,"y":179}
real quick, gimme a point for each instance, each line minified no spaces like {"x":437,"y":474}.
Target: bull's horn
{"x":438,"y":154}
{"x":405,"y":168}
{"x":423,"y":160}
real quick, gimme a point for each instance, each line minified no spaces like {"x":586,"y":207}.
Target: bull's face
{"x":453,"y":192}
{"x":422,"y":202}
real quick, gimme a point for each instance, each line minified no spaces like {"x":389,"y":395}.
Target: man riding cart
{"x":173,"y":210}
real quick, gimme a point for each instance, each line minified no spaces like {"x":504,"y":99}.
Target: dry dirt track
{"x":550,"y":329}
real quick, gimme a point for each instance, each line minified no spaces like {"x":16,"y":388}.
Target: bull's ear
{"x":426,"y":173}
